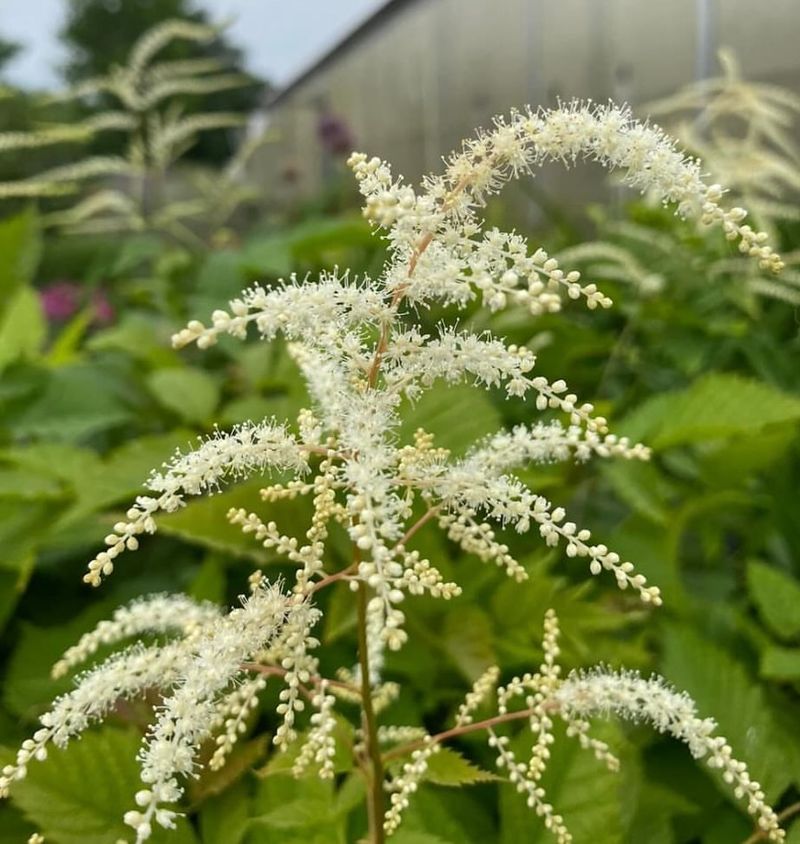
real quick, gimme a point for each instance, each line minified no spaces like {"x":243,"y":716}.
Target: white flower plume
{"x":363,"y":352}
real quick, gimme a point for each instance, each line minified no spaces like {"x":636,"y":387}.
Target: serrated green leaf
{"x":79,"y":795}
{"x":22,"y":327}
{"x":122,"y":474}
{"x":21,"y":532}
{"x":594,"y":802}
{"x":63,"y":461}
{"x":191,"y":394}
{"x":777,"y":597}
{"x":722,"y":688}
{"x":717,"y":405}
{"x":340,"y":615}
{"x":448,"y":767}
{"x":736,"y":460}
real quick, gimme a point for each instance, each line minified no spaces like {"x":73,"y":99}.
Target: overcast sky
{"x":280,"y":38}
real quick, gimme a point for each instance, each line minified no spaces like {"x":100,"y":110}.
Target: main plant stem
{"x":375,"y":801}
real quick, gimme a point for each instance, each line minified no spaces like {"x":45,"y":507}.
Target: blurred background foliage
{"x":699,"y":359}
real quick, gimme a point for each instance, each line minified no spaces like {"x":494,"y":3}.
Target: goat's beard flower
{"x":361,"y":353}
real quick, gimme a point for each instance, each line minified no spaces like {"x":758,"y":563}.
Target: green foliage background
{"x":702,"y":369}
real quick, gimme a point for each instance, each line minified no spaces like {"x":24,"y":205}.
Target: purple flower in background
{"x":60,"y":300}
{"x":334,"y":134}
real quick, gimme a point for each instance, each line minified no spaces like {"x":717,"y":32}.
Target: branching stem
{"x":405,"y":749}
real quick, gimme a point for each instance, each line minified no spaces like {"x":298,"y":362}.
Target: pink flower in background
{"x":60,"y":300}
{"x":63,"y":299}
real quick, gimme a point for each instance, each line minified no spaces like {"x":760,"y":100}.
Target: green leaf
{"x":191,"y":394}
{"x":123,"y":473}
{"x":79,"y":795}
{"x":242,"y":759}
{"x":78,"y":401}
{"x":592,"y":800}
{"x":780,"y":663}
{"x":224,"y":818}
{"x":13,"y":826}
{"x":65,"y":462}
{"x":717,"y":405}
{"x":270,"y":256}
{"x":777,"y":596}
{"x":15,"y":483}
{"x":209,"y":582}
{"x":22,"y":327}
{"x":290,"y":811}
{"x":15,"y":572}
{"x":220,"y":278}
{"x":66,"y":346}
{"x":722,"y":688}
{"x":447,"y":816}
{"x":448,"y":767}
{"x":457,"y":416}
{"x":734,"y":461}
{"x":641,"y":486}
{"x":411,"y":836}
{"x":340,"y":615}
{"x":21,"y":530}
{"x":467,"y":640}
{"x":204,"y":522}
{"x":21,"y":248}
{"x":140,"y":335}
{"x":28,"y":686}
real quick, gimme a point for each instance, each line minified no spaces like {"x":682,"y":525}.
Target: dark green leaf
{"x":191,"y":394}
{"x":777,"y":596}
{"x":79,"y":795}
{"x":448,"y":767}
{"x":717,"y":405}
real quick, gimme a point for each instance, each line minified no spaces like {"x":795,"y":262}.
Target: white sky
{"x":280,"y":38}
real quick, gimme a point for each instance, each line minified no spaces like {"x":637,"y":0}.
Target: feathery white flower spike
{"x":362,"y":353}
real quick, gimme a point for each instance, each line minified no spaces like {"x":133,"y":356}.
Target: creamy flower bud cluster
{"x":363,"y":354}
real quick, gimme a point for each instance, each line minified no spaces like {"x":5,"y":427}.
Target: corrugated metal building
{"x":420,"y":75}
